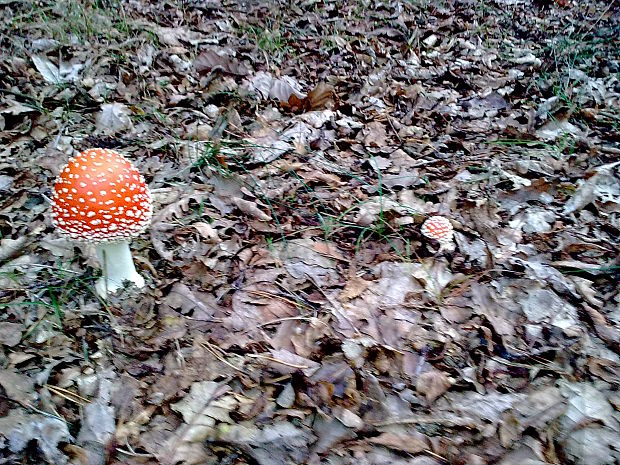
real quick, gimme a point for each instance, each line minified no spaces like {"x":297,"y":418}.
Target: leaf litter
{"x":295,"y":312}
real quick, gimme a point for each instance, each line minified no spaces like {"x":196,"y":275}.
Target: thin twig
{"x":276,"y":296}
{"x":133,"y":454}
{"x":282,"y":362}
{"x":66,"y":394}
{"x":290,"y":318}
{"x":420,"y":419}
{"x":212,"y":350}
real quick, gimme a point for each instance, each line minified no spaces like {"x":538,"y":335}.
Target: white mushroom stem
{"x":117,"y":266}
{"x":447,"y":246}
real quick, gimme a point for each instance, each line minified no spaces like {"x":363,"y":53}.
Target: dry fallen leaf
{"x":284,"y":361}
{"x":48,"y":70}
{"x":302,"y":261}
{"x":401,"y":442}
{"x":376,"y":135}
{"x":432,"y":384}
{"x":279,"y":443}
{"x":209,"y":61}
{"x":537,"y":410}
{"x":206,"y":404}
{"x":206,"y":231}
{"x":282,"y":90}
{"x":68,"y":72}
{"x":10,"y":333}
{"x":354,"y":288}
{"x":607,"y":332}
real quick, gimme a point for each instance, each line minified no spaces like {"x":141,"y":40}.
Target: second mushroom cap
{"x":438,"y":228}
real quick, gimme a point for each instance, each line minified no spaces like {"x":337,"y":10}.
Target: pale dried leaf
{"x":593,"y":445}
{"x":99,"y":420}
{"x":281,"y":90}
{"x":330,"y":432}
{"x":17,"y":386}
{"x":67,"y":72}
{"x":301,"y":260}
{"x":113,"y":118}
{"x":16,"y":108}
{"x":174,"y":36}
{"x":536,"y":411}
{"x":9,"y":248}
{"x":279,"y":443}
{"x":48,"y":70}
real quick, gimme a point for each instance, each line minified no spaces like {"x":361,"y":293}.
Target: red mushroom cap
{"x":100,"y":196}
{"x":438,"y":228}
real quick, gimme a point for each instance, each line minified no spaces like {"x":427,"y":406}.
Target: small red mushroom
{"x":440,"y":229}
{"x":100,"y":197}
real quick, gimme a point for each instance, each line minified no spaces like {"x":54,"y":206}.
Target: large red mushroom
{"x":100,"y":197}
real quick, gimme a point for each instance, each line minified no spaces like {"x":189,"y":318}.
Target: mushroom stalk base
{"x":117,"y":266}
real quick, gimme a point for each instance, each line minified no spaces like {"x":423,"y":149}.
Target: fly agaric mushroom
{"x":440,"y":229}
{"x":100,"y":197}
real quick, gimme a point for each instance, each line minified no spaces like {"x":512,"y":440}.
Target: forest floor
{"x":294,"y":313}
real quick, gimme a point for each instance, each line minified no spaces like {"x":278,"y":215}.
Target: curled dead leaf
{"x":283,"y":90}
{"x":207,"y":232}
{"x":319,"y":98}
{"x":250,"y":208}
